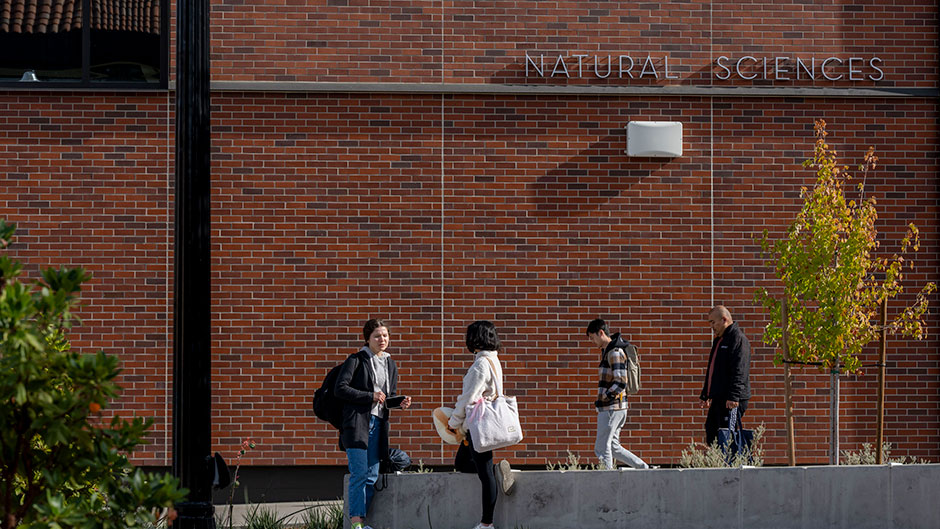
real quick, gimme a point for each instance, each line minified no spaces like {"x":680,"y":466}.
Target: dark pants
{"x":718,"y":418}
{"x":469,"y":460}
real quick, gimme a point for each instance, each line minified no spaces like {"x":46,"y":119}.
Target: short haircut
{"x":598,"y":325}
{"x":721,"y":311}
{"x":370,"y":327}
{"x":481,"y":336}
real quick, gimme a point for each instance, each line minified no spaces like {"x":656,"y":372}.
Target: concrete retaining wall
{"x":849,"y":497}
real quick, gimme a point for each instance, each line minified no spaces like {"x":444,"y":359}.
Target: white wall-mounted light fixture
{"x":654,"y":138}
{"x":29,"y":76}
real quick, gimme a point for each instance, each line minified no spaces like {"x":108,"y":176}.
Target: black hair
{"x":481,"y":336}
{"x":598,"y":325}
{"x":370,"y":327}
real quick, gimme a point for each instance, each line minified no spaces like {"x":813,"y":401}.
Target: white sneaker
{"x":506,"y":480}
{"x":481,"y":526}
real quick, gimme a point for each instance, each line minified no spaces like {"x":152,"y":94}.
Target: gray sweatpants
{"x":607,"y":447}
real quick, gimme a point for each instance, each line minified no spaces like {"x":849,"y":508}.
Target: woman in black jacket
{"x":365,"y":381}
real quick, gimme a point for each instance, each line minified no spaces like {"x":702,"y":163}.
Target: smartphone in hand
{"x":395,"y":402}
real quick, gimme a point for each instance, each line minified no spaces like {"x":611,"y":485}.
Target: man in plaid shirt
{"x":611,"y":400}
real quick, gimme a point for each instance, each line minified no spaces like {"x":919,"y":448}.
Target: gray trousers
{"x":607,"y":446}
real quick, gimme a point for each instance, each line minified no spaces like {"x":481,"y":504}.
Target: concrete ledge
{"x":849,"y":497}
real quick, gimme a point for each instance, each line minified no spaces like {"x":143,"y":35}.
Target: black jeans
{"x":469,"y":460}
{"x":718,"y":418}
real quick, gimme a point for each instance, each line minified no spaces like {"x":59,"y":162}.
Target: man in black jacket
{"x":726,"y":379}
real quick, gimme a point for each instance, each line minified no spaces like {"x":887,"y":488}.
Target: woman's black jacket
{"x":355,"y":385}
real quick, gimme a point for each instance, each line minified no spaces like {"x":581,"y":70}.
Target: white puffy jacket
{"x":479,"y":381}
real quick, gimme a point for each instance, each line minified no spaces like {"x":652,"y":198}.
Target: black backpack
{"x":398,"y":460}
{"x":326,"y":405}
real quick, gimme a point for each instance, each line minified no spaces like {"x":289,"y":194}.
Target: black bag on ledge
{"x":397,"y":461}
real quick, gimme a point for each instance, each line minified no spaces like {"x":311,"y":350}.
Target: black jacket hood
{"x":616,"y":340}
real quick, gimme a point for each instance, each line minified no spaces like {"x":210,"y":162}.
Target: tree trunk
{"x":882,"y":368}
{"x":788,"y":388}
{"x":834,"y":415}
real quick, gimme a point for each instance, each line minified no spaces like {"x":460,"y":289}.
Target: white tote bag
{"x":494,"y":423}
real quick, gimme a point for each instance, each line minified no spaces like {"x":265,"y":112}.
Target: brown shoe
{"x":506,"y":480}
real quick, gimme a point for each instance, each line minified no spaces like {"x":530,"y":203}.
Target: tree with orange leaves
{"x":834,"y":281}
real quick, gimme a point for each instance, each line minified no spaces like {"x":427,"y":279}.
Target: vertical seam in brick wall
{"x":711,"y":163}
{"x":711,"y":198}
{"x":443,"y":109}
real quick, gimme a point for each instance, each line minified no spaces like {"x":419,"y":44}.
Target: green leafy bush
{"x":61,"y":464}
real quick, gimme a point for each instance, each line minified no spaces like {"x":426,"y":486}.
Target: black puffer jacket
{"x":731,"y":375}
{"x":355,"y":386}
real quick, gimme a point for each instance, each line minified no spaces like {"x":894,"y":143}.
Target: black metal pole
{"x":192,"y":413}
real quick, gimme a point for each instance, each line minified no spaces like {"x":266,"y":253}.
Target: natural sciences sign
{"x":747,"y":67}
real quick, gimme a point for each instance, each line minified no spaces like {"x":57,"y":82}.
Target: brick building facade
{"x":408,"y":160}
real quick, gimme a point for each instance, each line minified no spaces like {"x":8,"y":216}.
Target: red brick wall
{"x":328,"y":210}
{"x":486,"y":42}
{"x":85,"y":178}
{"x":432,"y":211}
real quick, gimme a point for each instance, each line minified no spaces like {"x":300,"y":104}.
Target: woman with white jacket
{"x":481,"y":381}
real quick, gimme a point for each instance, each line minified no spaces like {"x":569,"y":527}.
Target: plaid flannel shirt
{"x":613,"y":380}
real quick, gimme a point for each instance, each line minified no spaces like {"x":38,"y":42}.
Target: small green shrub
{"x":63,"y":463}
{"x":259,"y":516}
{"x":421,"y":469}
{"x":330,"y":517}
{"x":697,"y":455}
{"x":868,"y":456}
{"x":572,"y":463}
